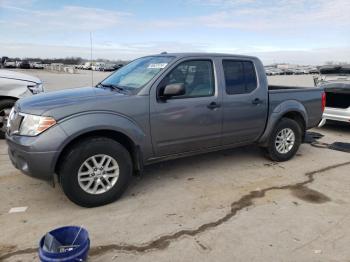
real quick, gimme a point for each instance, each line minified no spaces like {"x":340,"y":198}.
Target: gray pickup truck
{"x":153,"y":109}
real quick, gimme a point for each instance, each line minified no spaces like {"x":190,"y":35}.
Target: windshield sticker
{"x":157,"y":66}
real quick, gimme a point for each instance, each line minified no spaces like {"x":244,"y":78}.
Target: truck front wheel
{"x":285,"y":140}
{"x":95,"y":171}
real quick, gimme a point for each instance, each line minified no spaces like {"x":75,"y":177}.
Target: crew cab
{"x":156,"y":108}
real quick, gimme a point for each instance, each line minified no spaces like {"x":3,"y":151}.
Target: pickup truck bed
{"x":307,"y":96}
{"x":300,"y":103}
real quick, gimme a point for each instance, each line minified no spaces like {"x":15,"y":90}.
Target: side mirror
{"x":177,"y":89}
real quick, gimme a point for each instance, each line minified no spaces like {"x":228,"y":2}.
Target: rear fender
{"x":280,"y":111}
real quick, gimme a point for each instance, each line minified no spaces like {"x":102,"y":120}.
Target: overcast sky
{"x":295,"y":31}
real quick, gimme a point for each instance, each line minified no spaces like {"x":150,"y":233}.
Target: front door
{"x":192,"y":121}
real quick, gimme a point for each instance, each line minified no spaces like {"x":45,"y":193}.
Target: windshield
{"x":137,"y":73}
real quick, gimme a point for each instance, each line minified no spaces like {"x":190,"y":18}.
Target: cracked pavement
{"x":233,"y":205}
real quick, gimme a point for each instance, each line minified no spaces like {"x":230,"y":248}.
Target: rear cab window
{"x":240,"y":76}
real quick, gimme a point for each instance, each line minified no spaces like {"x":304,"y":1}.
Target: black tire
{"x":284,"y":123}
{"x":76,"y":156}
{"x":5,"y":104}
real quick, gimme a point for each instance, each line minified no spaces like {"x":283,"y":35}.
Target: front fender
{"x":83,"y":123}
{"x":278,"y":112}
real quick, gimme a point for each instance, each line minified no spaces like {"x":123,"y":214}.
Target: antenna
{"x":92,"y":71}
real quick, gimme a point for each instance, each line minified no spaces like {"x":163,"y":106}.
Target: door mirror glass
{"x":177,"y":89}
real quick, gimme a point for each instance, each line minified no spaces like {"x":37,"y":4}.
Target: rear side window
{"x":240,"y":76}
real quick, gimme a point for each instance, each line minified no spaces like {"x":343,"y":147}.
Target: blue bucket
{"x":66,"y":236}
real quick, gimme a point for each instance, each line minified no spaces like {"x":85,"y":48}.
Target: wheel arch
{"x":124,"y":140}
{"x":289,"y":109}
{"x":297,"y":117}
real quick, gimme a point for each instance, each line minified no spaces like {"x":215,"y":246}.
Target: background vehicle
{"x":3,"y":59}
{"x":272,"y":71}
{"x":98,"y":66}
{"x":336,"y":82}
{"x":13,"y":86}
{"x":298,"y":71}
{"x":153,"y":109}
{"x":288,"y":72}
{"x":9,"y":63}
{"x":87,"y":66}
{"x":118,"y":66}
{"x":109,"y":67}
{"x":313,"y":71}
{"x":37,"y":65}
{"x":24,"y":64}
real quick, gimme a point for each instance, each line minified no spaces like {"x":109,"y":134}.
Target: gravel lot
{"x":233,"y":205}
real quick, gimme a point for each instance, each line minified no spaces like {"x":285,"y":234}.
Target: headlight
{"x":36,"y":89}
{"x":33,"y":125}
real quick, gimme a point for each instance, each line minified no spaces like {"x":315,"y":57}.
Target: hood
{"x":18,"y":76}
{"x":67,"y":102}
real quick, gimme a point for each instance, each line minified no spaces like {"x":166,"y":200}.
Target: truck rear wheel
{"x":5,"y":108}
{"x":285,"y":140}
{"x":95,"y":171}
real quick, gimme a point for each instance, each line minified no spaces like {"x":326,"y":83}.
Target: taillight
{"x":323,"y":100}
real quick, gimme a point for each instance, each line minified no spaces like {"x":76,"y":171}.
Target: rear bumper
{"x":336,"y":114}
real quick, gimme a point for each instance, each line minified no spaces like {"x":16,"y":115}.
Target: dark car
{"x":24,"y":64}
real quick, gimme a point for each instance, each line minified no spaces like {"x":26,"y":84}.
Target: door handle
{"x":213,"y":105}
{"x":257,"y":101}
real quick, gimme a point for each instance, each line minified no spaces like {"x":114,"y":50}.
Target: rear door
{"x":190,"y":122}
{"x":244,"y":102}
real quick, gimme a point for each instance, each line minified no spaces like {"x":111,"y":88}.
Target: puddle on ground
{"x":311,"y":137}
{"x":309,"y":195}
{"x":340,"y":146}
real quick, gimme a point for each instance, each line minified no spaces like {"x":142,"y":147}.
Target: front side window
{"x":137,"y":73}
{"x":240,"y":77}
{"x":196,"y":75}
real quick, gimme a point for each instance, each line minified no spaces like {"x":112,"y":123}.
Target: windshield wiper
{"x":119,"y":88}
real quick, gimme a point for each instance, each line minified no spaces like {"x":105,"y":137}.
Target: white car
{"x":87,"y":66}
{"x":13,"y":86}
{"x":98,"y":66}
{"x":336,"y":82}
{"x":37,"y":65}
{"x":10,"y":64}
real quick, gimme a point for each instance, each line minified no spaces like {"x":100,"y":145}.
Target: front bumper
{"x":36,"y":165}
{"x":36,"y":156}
